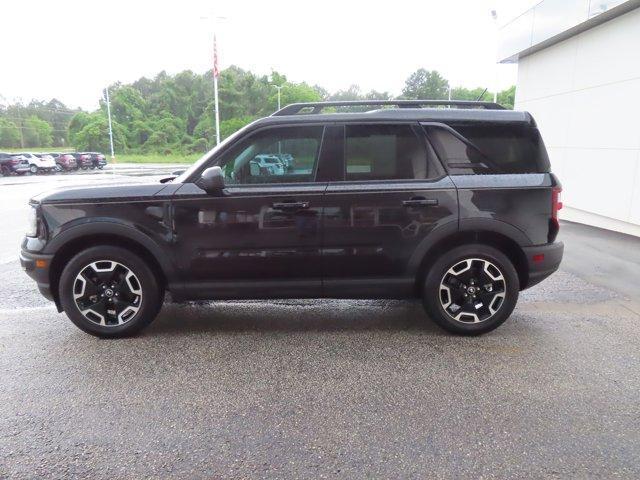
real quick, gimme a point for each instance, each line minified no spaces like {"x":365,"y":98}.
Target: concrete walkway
{"x":602,"y":257}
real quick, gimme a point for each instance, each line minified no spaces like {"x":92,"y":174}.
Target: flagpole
{"x":215,"y":88}
{"x":215,"y":99}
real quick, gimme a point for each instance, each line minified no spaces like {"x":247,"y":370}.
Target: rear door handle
{"x":290,"y":205}
{"x":420,"y":202}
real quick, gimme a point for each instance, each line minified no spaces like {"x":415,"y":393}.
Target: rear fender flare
{"x":450,"y":229}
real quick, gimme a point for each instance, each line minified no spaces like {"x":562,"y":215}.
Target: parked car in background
{"x":287,"y":160}
{"x":47,"y":157}
{"x":98,"y":159}
{"x":37,"y":164}
{"x":83,"y":160}
{"x":269,"y":163}
{"x":66,"y":162}
{"x":11,"y":163}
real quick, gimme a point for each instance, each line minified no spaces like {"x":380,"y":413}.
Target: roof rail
{"x":317,"y":107}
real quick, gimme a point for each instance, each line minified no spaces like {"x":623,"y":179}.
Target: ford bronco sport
{"x":451,"y":202}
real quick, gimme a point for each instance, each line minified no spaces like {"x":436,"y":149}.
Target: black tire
{"x":34,"y":169}
{"x":435,"y":299}
{"x":151,"y":297}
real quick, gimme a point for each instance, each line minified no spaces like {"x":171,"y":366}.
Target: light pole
{"x":494,"y":16}
{"x":279,"y":87}
{"x":106,"y":90}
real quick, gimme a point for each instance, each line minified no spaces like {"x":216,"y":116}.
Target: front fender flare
{"x":116,"y":228}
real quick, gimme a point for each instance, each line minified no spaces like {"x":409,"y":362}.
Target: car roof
{"x":406,"y":114}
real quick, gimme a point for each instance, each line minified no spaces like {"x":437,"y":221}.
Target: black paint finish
{"x":331,"y":238}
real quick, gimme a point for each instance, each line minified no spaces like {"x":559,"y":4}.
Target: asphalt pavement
{"x":328,"y":388}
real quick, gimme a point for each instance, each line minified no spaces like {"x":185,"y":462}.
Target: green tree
{"x":37,"y":133}
{"x":462,"y":93}
{"x":9,"y":134}
{"x":77,"y":123}
{"x":426,"y":85}
{"x":507,"y":98}
{"x":94,"y":136}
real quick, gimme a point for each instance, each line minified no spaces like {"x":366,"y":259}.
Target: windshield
{"x":203,"y":160}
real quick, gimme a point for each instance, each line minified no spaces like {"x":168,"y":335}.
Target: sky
{"x":70,"y":50}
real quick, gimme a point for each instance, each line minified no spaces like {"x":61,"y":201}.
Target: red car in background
{"x":66,"y":161}
{"x":99,"y":160}
{"x":83,"y":160}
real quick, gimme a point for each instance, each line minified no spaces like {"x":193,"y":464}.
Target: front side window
{"x":384,"y":152}
{"x":274,"y":155}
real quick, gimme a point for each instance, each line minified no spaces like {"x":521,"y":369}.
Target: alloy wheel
{"x":472,"y":290}
{"x":107,"y":293}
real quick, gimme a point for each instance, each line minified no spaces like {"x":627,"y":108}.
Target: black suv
{"x":455,"y":205}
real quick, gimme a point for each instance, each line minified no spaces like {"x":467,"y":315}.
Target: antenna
{"x":481,"y":95}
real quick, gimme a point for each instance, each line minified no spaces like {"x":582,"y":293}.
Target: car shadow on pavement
{"x":325,"y":315}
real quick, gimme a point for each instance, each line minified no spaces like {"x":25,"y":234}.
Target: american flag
{"x":216,"y":70}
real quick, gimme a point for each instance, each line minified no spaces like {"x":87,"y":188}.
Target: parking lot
{"x":325,"y":388}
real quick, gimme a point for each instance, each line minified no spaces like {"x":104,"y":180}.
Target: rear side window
{"x":384,"y":152}
{"x":490,"y":149}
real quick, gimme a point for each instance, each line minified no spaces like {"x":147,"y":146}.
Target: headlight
{"x":32,"y":221}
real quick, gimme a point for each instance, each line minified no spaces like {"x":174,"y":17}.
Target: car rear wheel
{"x":471,"y":289}
{"x":109,"y":292}
{"x":33,"y":169}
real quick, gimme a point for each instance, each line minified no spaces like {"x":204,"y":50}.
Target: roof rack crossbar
{"x":317,"y":107}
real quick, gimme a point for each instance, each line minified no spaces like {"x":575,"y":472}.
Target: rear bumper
{"x":542,"y":260}
{"x":37,"y":265}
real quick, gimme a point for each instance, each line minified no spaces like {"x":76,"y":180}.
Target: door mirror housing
{"x":212,"y":181}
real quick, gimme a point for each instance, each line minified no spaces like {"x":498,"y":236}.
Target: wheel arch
{"x":81,"y":240}
{"x":500,"y":241}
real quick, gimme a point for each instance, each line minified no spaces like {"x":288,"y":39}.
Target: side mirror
{"x":212,"y":181}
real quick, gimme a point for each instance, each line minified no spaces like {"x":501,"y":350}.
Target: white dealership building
{"x":579,"y":76}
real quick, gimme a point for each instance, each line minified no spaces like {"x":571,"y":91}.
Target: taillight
{"x":556,"y":202}
{"x":556,"y":205}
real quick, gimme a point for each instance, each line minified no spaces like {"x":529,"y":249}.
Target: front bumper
{"x":542,"y":260}
{"x":37,"y":265}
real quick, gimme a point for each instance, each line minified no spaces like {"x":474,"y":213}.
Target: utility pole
{"x":109,"y":118}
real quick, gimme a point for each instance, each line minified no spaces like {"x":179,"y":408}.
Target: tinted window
{"x":490,"y":149}
{"x":384,"y":152}
{"x":276,"y":155}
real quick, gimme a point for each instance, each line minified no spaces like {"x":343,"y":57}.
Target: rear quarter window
{"x":490,"y":149}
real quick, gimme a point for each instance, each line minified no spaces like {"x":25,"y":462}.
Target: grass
{"x":156,"y":158}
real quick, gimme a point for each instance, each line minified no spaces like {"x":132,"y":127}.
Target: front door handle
{"x":420,"y":202}
{"x":290,"y":205}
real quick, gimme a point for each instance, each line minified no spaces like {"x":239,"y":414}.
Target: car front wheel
{"x":34,"y":169}
{"x":109,"y":292}
{"x":470,"y":290}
